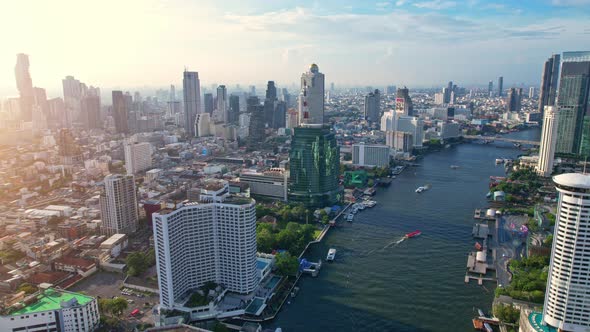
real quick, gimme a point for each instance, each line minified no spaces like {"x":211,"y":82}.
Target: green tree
{"x":548,"y":240}
{"x":262,"y":211}
{"x":507,"y":313}
{"x":286,"y":264}
{"x":265,"y":240}
{"x":27,"y":288}
{"x":112,"y":307}
{"x":138,"y":262}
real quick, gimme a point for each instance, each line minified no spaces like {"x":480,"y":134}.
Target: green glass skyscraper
{"x":314,"y":167}
{"x":572,"y":103}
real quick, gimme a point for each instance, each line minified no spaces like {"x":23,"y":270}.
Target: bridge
{"x":501,"y":139}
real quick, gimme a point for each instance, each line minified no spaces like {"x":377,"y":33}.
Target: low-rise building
{"x":370,"y":155}
{"x":115,"y":244}
{"x":272,"y":183}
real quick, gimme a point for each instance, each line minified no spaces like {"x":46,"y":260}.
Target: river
{"x":418,"y":284}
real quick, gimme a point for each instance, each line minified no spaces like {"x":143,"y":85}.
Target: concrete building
{"x":548,"y":138}
{"x":120,"y":112}
{"x":500,"y":86}
{"x":311,"y":97}
{"x":53,"y":310}
{"x":191,"y":89}
{"x":370,"y":155}
{"x":449,"y":130}
{"x":373,"y":106}
{"x":403,"y":102}
{"x":138,"y":157}
{"x":399,"y":141}
{"x":389,"y":121}
{"x":208,"y":100}
{"x":414,"y":126}
{"x":24,"y":84}
{"x":222,"y":104}
{"x":213,"y":240}
{"x":568,"y":283}
{"x":203,"y":125}
{"x":118,"y":205}
{"x":272,"y":183}
{"x":548,"y":90}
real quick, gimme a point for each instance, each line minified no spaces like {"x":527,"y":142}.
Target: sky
{"x":148,"y":43}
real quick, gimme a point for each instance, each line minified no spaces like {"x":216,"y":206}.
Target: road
{"x":508,"y":245}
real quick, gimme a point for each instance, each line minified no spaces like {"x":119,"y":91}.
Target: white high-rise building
{"x":389,"y":120}
{"x":118,"y":205}
{"x":191,"y":89}
{"x":213,"y":240}
{"x":311,"y":97}
{"x":222,"y":108}
{"x":370,"y":155}
{"x":202,"y":125}
{"x":414,"y":126}
{"x":138,"y":157}
{"x":567,"y":304}
{"x":548,"y":139}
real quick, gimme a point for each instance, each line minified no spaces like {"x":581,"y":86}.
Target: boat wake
{"x":394,"y":243}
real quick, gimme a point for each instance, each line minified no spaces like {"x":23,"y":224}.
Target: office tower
{"x":548,"y":137}
{"x":572,"y":103}
{"x":513,"y":100}
{"x":370,"y":155}
{"x":222,"y":103}
{"x":118,"y":205}
{"x":373,"y":106}
{"x":279,"y":116}
{"x":439,"y":98}
{"x":40,"y":100}
{"x":453,"y":97}
{"x":202,"y":125}
{"x":252,"y":90}
{"x":191,"y":89}
{"x":90,"y":107}
{"x":412,"y":125}
{"x":138,"y":157}
{"x":389,"y":121}
{"x":531,"y":92}
{"x":52,"y":310}
{"x":286,"y":97}
{"x":72,"y":89}
{"x":332,"y":87}
{"x":213,"y":240}
{"x":120,"y":112}
{"x":490,"y":88}
{"x":208,"y":103}
{"x":390,"y":90}
{"x":500,"y":85}
{"x":447,"y":93}
{"x":256,"y":128}
{"x":24,"y":84}
{"x":270,"y":103}
{"x":234,"y":109}
{"x":403,"y":102}
{"x":311,"y":97}
{"x":57,"y":113}
{"x":548,"y":91}
{"x":314,"y":165}
{"x":568,"y":282}
{"x":172,"y":93}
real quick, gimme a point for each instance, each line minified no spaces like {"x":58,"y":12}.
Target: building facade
{"x":118,"y":205}
{"x":191,"y":89}
{"x":138,"y":157}
{"x":568,"y":283}
{"x":311,"y":97}
{"x":272,"y":183}
{"x":314,"y":167}
{"x":222,"y":107}
{"x":373,"y":106}
{"x":370,"y":155}
{"x":548,"y":90}
{"x":548,"y":137}
{"x":213,"y":240}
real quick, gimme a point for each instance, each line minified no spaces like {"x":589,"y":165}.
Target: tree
{"x":27,"y":288}
{"x":507,"y":313}
{"x":138,"y":262}
{"x":112,"y":307}
{"x":265,"y":240}
{"x":262,"y":211}
{"x":548,"y":240}
{"x":286,"y":264}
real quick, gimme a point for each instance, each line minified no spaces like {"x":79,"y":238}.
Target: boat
{"x":413,"y":234}
{"x":331,"y":255}
{"x":370,"y":204}
{"x":454,"y":166}
{"x":499,"y":161}
{"x":350,"y":217}
{"x":420,"y":189}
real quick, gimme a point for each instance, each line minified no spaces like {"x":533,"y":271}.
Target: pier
{"x":501,"y":139}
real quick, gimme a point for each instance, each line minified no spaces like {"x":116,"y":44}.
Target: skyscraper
{"x":568,"y":282}
{"x":513,"y":100}
{"x":24,"y":84}
{"x":118,"y":205}
{"x":500,"y":85}
{"x":222,"y":103}
{"x":172,"y":93}
{"x":279,"y":116}
{"x":373,"y":106}
{"x":72,"y":89}
{"x":548,"y":90}
{"x":234,"y":109}
{"x":213,"y":240}
{"x":270,"y":102}
{"x":531,"y":92}
{"x":191,"y":89}
{"x":548,"y":137}
{"x":208,"y":103}
{"x":311,"y":97}
{"x":490,"y":88}
{"x":315,"y":166}
{"x":256,"y":126}
{"x":572,"y":102}
{"x":403,"y":102}
{"x":90,"y":106}
{"x":138,"y":157}
{"x":120,"y":112}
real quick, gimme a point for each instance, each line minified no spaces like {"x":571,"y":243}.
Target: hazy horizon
{"x":419,"y":43}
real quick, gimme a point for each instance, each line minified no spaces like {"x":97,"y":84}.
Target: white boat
{"x":331,"y":254}
{"x":370,"y":204}
{"x":350,"y":217}
{"x":420,"y":189}
{"x":499,"y":161}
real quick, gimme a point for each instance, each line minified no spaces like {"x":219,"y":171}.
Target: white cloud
{"x":436,"y":4}
{"x":571,"y":3}
{"x":382,"y":4}
{"x":400,"y":3}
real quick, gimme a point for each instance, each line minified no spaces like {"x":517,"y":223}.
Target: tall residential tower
{"x":311,"y":96}
{"x":548,"y":90}
{"x":548,"y":137}
{"x":191,"y":88}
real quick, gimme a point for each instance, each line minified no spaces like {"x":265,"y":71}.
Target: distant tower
{"x":548,"y":90}
{"x":24,"y":84}
{"x":118,"y":205}
{"x":120,"y":112}
{"x":490,"y":88}
{"x":208,"y":103}
{"x":234,"y":109}
{"x":373,"y":106}
{"x":138,"y":157}
{"x":500,"y":85}
{"x":403,"y":102}
{"x":270,"y":103}
{"x":568,"y":282}
{"x":531,"y":92}
{"x":513,"y":100}
{"x":256,"y":126}
{"x":222,"y":108}
{"x":548,"y":137}
{"x":311,"y":97}
{"x":172,"y":95}
{"x":191,"y":89}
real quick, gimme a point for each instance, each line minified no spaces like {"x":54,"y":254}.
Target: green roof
{"x":50,"y":300}
{"x":536,"y":321}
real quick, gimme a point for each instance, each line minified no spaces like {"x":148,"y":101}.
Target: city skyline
{"x":401,"y":42}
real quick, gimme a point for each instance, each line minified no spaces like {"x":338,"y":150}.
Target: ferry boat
{"x":419,"y":189}
{"x":331,"y":255}
{"x":413,"y":234}
{"x":350,"y":217}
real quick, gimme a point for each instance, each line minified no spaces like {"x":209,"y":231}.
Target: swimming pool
{"x":272,"y":283}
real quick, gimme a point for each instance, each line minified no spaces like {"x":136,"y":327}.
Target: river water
{"x":417,"y":285}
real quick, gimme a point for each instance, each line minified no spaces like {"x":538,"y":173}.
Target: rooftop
{"x":51,"y":299}
{"x":536,"y":322}
{"x":575,"y":180}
